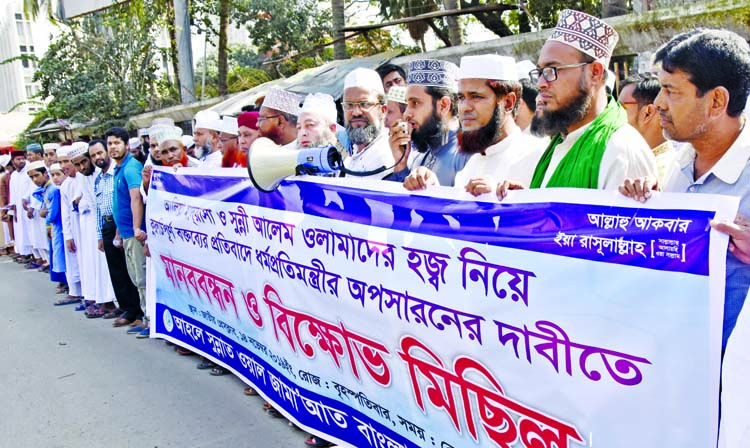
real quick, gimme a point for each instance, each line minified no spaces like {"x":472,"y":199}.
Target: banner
{"x":381,"y":319}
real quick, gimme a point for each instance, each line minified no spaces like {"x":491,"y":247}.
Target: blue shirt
{"x":52,"y":204}
{"x":445,"y":161}
{"x":104,"y":188}
{"x":127,"y":177}
{"x":729,"y":176}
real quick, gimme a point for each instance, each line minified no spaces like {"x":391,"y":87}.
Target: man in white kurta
{"x":592,"y":145}
{"x":364,"y":116}
{"x":20,"y":185}
{"x":95,"y":282}
{"x":69,"y":191}
{"x":489,"y":98}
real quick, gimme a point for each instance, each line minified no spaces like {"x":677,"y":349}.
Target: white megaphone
{"x":268,"y":163}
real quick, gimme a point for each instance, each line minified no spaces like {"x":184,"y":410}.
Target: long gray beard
{"x":362,"y":136}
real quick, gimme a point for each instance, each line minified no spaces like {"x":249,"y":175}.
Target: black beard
{"x":429,"y":135}
{"x":552,"y":122}
{"x":477,"y":141}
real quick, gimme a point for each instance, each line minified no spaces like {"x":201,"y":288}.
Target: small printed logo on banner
{"x":168,"y":322}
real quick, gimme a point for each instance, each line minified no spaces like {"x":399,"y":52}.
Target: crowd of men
{"x":489,"y":125}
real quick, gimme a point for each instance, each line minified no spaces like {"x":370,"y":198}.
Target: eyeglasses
{"x":364,"y":106}
{"x":267,"y":118}
{"x":550,"y":73}
{"x":629,"y":102}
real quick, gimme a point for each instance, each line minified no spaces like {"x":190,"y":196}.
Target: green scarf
{"x":580,"y":166}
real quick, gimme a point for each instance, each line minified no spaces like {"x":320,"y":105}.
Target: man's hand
{"x":77,"y":201}
{"x":30,"y":213}
{"x":43,"y":212}
{"x":100,"y":245}
{"x":480,"y":185}
{"x":146,"y":252}
{"x":146,"y":176}
{"x":420,"y":178}
{"x":739,"y":236}
{"x":639,"y":189}
{"x":504,"y":187}
{"x":140,"y":235}
{"x":71,"y":246}
{"x":399,"y":140}
{"x":49,"y":234}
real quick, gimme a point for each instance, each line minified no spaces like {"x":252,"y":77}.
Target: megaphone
{"x":268,"y":163}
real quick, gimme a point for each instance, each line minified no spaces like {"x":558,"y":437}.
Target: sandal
{"x":219,"y":371}
{"x":69,"y":300}
{"x":97,"y":311}
{"x":183,"y":351}
{"x":276,"y":414}
{"x":317,"y":441}
{"x":249,"y":391}
{"x":267,"y":406}
{"x":205,"y":364}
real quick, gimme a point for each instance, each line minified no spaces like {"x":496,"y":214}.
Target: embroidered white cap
{"x":282,"y":101}
{"x":586,"y":33}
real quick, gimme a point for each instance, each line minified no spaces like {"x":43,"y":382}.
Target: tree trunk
{"x":439,"y":33}
{"x":339,"y":22}
{"x":455,"y":33}
{"x":174,"y":56}
{"x":223,"y":60}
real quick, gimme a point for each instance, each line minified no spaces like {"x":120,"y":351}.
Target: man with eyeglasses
{"x":592,"y":145}
{"x":277,"y":120}
{"x":364,"y":115}
{"x":637,"y":95}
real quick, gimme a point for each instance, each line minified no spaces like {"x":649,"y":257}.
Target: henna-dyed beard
{"x":478,"y":140}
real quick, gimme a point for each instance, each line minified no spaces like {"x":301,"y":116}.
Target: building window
{"x":25,"y":63}
{"x":31,"y":49}
{"x":23,"y":48}
{"x":19,"y":16}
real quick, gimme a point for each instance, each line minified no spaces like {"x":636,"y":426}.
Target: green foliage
{"x":103,"y":67}
{"x":546,"y":11}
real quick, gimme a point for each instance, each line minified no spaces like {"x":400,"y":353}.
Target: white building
{"x":21,"y":36}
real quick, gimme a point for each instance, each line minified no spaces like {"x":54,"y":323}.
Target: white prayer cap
{"x":320,"y":104}
{"x":78,"y":149}
{"x":5,"y":159}
{"x":187,"y":141}
{"x":523,"y":68}
{"x":397,"y":94}
{"x":207,"y":119}
{"x":50,"y":146}
{"x":134,"y":142}
{"x":585,"y":33}
{"x":63,"y":151}
{"x":229,"y":125}
{"x":162,"y":133}
{"x":36,"y":165}
{"x":282,"y":101}
{"x":142,"y":132}
{"x":55,"y":167}
{"x":365,"y":78}
{"x":488,"y":66}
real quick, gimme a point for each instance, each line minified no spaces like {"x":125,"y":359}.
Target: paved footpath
{"x":69,"y":381}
